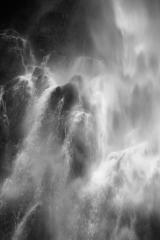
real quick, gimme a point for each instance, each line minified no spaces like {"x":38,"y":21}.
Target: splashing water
{"x":89,"y":166}
{"x":93,"y":203}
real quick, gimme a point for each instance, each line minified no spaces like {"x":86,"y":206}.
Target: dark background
{"x":51,"y":25}
{"x":56,"y":27}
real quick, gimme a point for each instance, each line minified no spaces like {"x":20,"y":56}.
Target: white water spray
{"x":111,"y":131}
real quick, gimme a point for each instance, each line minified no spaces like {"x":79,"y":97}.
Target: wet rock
{"x":40,"y":80}
{"x":17,"y":95}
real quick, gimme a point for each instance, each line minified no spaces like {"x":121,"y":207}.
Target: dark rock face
{"x":39,"y":80}
{"x":57,"y":117}
{"x":68,"y":94}
{"x":60,"y":103}
{"x":16,"y":97}
{"x":15,"y":55}
{"x":13,"y":106}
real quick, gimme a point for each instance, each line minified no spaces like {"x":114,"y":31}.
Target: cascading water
{"x":86,"y":163}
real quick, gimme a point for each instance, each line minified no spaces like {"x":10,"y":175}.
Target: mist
{"x":80,"y":123}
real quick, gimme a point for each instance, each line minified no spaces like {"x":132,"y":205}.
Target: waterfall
{"x":79,"y":143}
